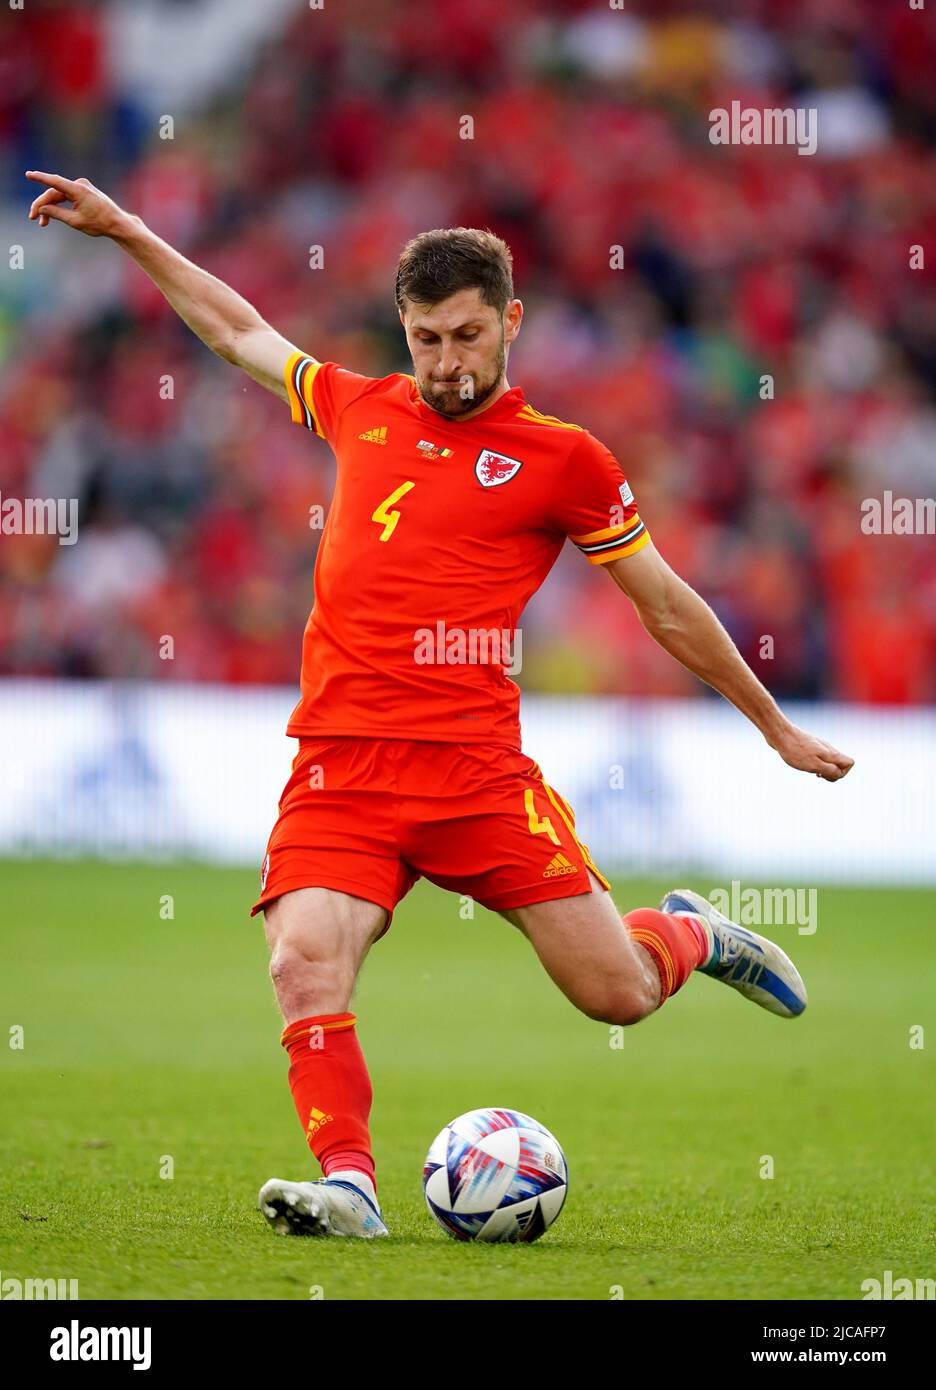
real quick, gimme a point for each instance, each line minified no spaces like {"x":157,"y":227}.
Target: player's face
{"x":459,"y":350}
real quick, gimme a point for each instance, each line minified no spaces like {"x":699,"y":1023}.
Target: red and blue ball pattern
{"x":495,"y":1175}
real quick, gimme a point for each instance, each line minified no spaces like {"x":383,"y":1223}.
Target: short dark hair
{"x":437,"y":264}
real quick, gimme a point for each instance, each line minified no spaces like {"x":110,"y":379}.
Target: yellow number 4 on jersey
{"x":386,"y":518}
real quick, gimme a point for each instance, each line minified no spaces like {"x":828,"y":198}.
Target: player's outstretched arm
{"x":222,"y":318}
{"x":684,"y":625}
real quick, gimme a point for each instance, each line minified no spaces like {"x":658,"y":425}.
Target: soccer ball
{"x":495,"y":1175}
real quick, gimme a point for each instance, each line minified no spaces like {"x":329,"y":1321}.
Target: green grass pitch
{"x":146,"y":1037}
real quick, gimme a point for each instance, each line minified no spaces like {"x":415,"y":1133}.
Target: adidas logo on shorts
{"x":558,"y":866}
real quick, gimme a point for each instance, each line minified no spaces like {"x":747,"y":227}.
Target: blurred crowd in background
{"x":340,"y":127}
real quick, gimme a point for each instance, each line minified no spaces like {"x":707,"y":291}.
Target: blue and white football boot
{"x":754,"y":966}
{"x":327,"y":1207}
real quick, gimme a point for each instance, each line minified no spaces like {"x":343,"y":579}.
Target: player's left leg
{"x":616,"y":969}
{"x":619,"y":969}
{"x":484,"y":823}
{"x":749,"y":963}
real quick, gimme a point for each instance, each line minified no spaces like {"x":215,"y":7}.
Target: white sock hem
{"x":709,"y":935}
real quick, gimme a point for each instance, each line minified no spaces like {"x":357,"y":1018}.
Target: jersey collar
{"x":503,"y":409}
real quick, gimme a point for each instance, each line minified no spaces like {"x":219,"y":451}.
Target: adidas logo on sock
{"x":317,"y":1118}
{"x":558,"y":866}
{"x":378,"y":435}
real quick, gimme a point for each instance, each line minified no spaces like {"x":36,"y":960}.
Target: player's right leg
{"x":318,"y":939}
{"x":331,"y":879}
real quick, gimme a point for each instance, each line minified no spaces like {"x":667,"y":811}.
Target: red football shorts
{"x":370,"y":816}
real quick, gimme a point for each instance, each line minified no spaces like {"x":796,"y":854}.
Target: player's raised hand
{"x":809,"y":754}
{"x":75,"y":202}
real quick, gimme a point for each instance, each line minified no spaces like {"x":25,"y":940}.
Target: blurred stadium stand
{"x":340,"y":127}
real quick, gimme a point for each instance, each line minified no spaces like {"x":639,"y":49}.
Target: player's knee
{"x":630,"y":1008}
{"x":307,"y":976}
{"x":622,"y":1003}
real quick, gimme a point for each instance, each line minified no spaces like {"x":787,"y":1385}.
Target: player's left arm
{"x":685,"y":626}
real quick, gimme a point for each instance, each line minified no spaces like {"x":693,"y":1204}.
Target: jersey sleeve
{"x":319,"y":392}
{"x":597,"y":510}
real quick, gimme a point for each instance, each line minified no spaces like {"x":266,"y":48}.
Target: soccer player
{"x":454,"y":497}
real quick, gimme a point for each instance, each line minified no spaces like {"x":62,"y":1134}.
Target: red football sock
{"x":677,"y":944}
{"x":332,"y":1090}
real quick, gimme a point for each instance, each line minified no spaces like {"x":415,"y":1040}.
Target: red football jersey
{"x":438,"y":533}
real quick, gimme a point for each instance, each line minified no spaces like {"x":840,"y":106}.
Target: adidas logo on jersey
{"x":558,"y":866}
{"x":378,"y":435}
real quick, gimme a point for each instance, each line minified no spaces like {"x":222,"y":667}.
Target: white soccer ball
{"x":495,"y":1175}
